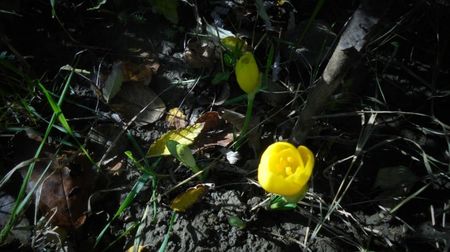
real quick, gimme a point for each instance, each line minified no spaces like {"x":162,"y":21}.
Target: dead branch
{"x":345,"y":57}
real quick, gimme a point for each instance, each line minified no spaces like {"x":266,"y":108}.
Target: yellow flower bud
{"x":247,"y":73}
{"x":284,"y":169}
{"x":234,"y":44}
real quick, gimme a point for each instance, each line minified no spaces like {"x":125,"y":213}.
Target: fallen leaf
{"x":134,"y":98}
{"x":188,"y":198}
{"x":199,"y":54}
{"x":176,"y":119}
{"x":211,"y":119}
{"x":113,"y":82}
{"x":139,"y":249}
{"x":126,"y":71}
{"x":235,"y":118}
{"x":216,"y":132}
{"x":139,"y":72}
{"x":184,"y":136}
{"x":67,"y":189}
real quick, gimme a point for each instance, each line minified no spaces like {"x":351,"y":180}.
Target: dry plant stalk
{"x":345,"y":57}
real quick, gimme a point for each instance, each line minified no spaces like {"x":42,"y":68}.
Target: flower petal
{"x":284,"y":169}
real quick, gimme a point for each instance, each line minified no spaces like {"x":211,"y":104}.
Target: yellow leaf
{"x":185,"y":200}
{"x":140,"y":249}
{"x":184,"y":136}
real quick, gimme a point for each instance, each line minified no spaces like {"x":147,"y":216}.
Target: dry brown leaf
{"x":216,"y":132}
{"x":127,"y":71}
{"x":139,"y":72}
{"x":67,"y":189}
{"x":199,"y":54}
{"x":133,"y":98}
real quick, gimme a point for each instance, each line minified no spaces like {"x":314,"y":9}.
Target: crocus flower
{"x":285,"y":170}
{"x":247,"y":73}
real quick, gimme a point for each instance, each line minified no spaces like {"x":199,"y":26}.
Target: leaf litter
{"x":232,"y":215}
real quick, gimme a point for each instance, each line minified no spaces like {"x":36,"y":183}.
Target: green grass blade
{"x":13,"y":170}
{"x":52,"y":4}
{"x":410,"y":197}
{"x":140,"y":229}
{"x":148,"y":173}
{"x":140,"y":167}
{"x":62,"y":119}
{"x":165,"y":242}
{"x":57,"y":110}
{"x":20,"y":202}
{"x":269,"y":62}
{"x":125,"y":233}
{"x":126,"y":203}
{"x":27,"y":197}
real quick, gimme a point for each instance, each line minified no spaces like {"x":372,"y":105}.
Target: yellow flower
{"x":247,"y":73}
{"x":285,"y":170}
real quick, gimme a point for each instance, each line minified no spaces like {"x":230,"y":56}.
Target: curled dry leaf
{"x":216,"y":132}
{"x":140,"y":72}
{"x":126,"y":71}
{"x":66,"y":190}
{"x":135,"y":99}
{"x":113,"y":82}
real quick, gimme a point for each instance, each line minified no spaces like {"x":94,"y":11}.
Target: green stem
{"x":248,"y":118}
{"x":248,"y":115}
